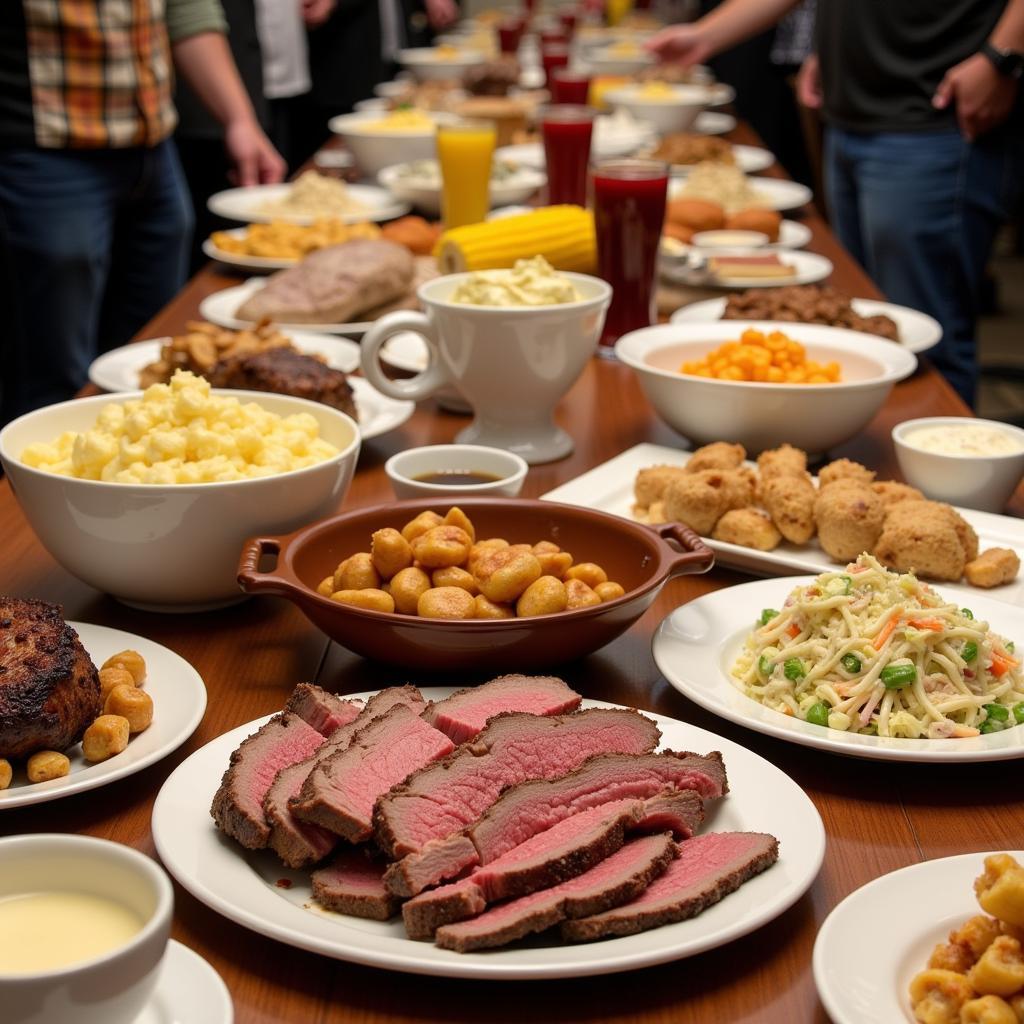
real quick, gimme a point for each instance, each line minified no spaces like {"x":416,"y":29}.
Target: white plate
{"x":406,"y":351}
{"x":609,"y":488}
{"x":518,"y":187}
{"x":188,"y":991}
{"x":713,"y":122}
{"x":118,"y":369}
{"x":378,"y":413}
{"x":792,"y":235}
{"x":809,"y":268}
{"x":749,"y":159}
{"x":235,"y":259}
{"x":697,"y":643}
{"x":918,"y":331}
{"x":242,"y":886}
{"x":773,"y":193}
{"x":245,"y":204}
{"x":179,"y":701}
{"x":881,"y":935}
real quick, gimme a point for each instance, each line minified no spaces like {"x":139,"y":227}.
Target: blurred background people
{"x":924,"y":147}
{"x":95,"y":221}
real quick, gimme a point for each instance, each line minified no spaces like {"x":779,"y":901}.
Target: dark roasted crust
{"x":374,"y":908}
{"x":49,"y":687}
{"x":589,"y":929}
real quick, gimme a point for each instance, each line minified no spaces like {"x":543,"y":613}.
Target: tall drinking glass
{"x":464,"y":151}
{"x":568,"y":16}
{"x":567,"y":130}
{"x":629,"y":211}
{"x":569,"y":86}
{"x":553,"y":56}
{"x":510,"y":34}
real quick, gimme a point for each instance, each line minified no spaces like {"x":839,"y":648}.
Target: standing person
{"x":94,"y":219}
{"x":924,"y":149}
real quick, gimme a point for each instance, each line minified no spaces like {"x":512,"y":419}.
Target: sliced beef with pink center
{"x":352,"y":884}
{"x":324,"y":711}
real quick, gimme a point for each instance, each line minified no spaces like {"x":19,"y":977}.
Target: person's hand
{"x":808,"y":83}
{"x":983,"y":97}
{"x":441,"y":13}
{"x":680,"y":44}
{"x":316,"y":12}
{"x":254,"y":159}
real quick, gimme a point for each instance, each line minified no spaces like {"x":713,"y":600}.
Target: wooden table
{"x":878,"y":817}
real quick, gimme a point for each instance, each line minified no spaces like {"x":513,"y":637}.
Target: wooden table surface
{"x":878,"y":816}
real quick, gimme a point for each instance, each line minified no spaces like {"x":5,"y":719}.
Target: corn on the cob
{"x":563,"y":235}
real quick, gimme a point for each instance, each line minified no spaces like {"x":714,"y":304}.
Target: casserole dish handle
{"x":274,"y":581}
{"x":695,"y":557}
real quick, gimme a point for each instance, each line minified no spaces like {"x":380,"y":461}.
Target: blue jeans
{"x":93,"y":243}
{"x":920,"y":211}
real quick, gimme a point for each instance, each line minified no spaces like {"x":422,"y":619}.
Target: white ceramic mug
{"x":512,"y":363}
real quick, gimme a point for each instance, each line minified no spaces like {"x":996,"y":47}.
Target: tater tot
{"x":504,"y":574}
{"x":554,"y":563}
{"x":357,"y":572}
{"x":129,"y":660}
{"x":423,"y":522}
{"x":132,"y":704}
{"x":484,"y":609}
{"x":112,"y":677}
{"x":406,"y":588}
{"x":107,"y":736}
{"x":6,"y":773}
{"x":454,"y":576}
{"x":456,"y":517}
{"x":579,"y":595}
{"x":446,"y":603}
{"x":483,"y":547}
{"x":609,"y":591}
{"x":371,"y":598}
{"x":442,"y":546}
{"x":390,"y":551}
{"x":987,"y":1010}
{"x":748,"y":528}
{"x":992,"y":568}
{"x":588,"y":572}
{"x":1000,"y":969}
{"x":47,"y":764}
{"x":544,"y":596}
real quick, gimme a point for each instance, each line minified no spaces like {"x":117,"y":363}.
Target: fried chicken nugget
{"x":700,"y":499}
{"x":782,"y":461}
{"x":652,"y":482}
{"x":719,"y":455}
{"x":892,"y":492}
{"x":790,"y":500}
{"x":845,"y":469}
{"x":928,"y":538}
{"x":850,"y":517}
{"x":992,"y":568}
{"x":747,"y":527}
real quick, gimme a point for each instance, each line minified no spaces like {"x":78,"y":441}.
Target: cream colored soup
{"x":963,"y":439}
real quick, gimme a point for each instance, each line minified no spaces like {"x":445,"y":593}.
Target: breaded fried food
{"x":652,"y":482}
{"x":718,"y":455}
{"x":747,"y":527}
{"x":700,"y":499}
{"x":698,"y":214}
{"x":993,"y":568}
{"x":845,"y":469}
{"x":928,"y":538}
{"x":790,"y":500}
{"x":782,"y":461}
{"x":680,"y":232}
{"x":850,"y":517}
{"x":754,"y":219}
{"x":892,"y":492}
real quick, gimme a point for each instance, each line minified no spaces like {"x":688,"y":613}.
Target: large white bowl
{"x":423,"y":62}
{"x":427,"y":199}
{"x":375,"y":150}
{"x":977,"y":481}
{"x":815,"y":417}
{"x":675,"y":112}
{"x":169,"y":547}
{"x":109,"y":989}
{"x":609,"y":61}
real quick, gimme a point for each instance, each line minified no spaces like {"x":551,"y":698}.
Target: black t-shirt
{"x":881,"y":60}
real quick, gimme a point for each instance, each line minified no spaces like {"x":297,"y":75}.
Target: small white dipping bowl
{"x":109,"y":989}
{"x":425,"y":64}
{"x":727,"y":238}
{"x":815,"y":417}
{"x":403,"y":468}
{"x":983,"y":482}
{"x":172,"y":547}
{"x":375,"y":150}
{"x":675,"y":111}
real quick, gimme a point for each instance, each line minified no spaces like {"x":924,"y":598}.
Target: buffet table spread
{"x":879,"y":816}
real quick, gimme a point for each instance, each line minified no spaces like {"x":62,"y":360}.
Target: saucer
{"x":188,"y":991}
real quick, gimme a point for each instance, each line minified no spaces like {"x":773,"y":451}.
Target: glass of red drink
{"x":567,"y":130}
{"x":553,"y":35}
{"x":568,"y":17}
{"x":569,"y":86}
{"x":510,"y":34}
{"x":553,"y":56}
{"x":629,"y":211}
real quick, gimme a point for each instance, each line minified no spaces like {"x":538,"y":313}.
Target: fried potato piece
{"x":849,"y":517}
{"x":992,"y":568}
{"x":782,"y":461}
{"x":892,"y":492}
{"x":719,"y":455}
{"x":652,"y":482}
{"x":790,"y":500}
{"x":926,"y":537}
{"x":700,"y":499}
{"x":749,"y":528}
{"x":845,"y":469}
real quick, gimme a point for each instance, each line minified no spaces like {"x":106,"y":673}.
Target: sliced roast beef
{"x":238,"y":803}
{"x":352,"y":884}
{"x":619,"y":878}
{"x":446,"y":797}
{"x":680,"y":812}
{"x":531,"y":807}
{"x":340,"y":792}
{"x":300,"y":844}
{"x":568,"y":849}
{"x":324,"y":711}
{"x":709,"y":867}
{"x":462,"y":715}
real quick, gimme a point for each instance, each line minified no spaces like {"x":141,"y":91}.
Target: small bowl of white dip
{"x":961,"y":460}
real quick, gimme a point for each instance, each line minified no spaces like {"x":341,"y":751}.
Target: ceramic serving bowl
{"x":406,"y":469}
{"x":983,"y":482}
{"x":114,"y":987}
{"x":617,"y":59}
{"x":673,"y":110}
{"x":637,"y":556}
{"x":376,"y":149}
{"x":170,"y":547}
{"x":815,"y":417}
{"x":426,"y":64}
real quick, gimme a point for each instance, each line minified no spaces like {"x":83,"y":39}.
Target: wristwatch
{"x":1007,"y":62}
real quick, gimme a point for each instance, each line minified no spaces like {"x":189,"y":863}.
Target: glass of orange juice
{"x":464,"y":152}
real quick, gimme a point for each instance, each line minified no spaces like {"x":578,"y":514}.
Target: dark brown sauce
{"x":457,"y":478}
